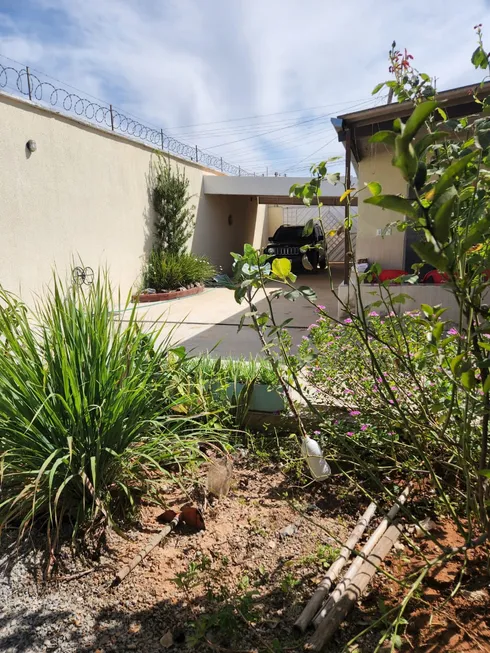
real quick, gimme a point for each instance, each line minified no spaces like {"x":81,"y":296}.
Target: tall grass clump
{"x":84,"y":404}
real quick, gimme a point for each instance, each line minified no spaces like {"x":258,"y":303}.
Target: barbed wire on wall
{"x":34,"y":88}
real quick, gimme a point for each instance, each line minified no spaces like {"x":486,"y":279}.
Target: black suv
{"x":287,"y":241}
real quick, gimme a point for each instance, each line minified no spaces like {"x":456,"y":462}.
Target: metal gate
{"x":332,"y":220}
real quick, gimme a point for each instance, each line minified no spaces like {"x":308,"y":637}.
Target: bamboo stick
{"x":354,"y":591}
{"x":154,"y":541}
{"x":365,"y":551}
{"x":315,"y":603}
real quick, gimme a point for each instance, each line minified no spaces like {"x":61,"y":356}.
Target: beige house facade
{"x":376,"y":241}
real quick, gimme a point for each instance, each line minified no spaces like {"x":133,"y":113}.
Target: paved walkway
{"x":209,"y":321}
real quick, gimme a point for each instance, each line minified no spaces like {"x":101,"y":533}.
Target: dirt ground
{"x":238,"y":585}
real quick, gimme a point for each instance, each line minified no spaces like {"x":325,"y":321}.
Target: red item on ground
{"x":386,"y":275}
{"x":434,"y":276}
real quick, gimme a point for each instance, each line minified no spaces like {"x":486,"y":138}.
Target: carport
{"x":208,"y":322}
{"x":253,"y":214}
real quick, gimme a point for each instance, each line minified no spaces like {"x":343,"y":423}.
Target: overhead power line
{"x":301,"y":122}
{"x":266,"y":115}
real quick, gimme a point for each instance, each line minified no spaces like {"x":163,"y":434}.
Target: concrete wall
{"x":85,"y":193}
{"x":262,"y":186}
{"x":431,"y":294}
{"x":388,"y":251}
{"x":276,"y":219}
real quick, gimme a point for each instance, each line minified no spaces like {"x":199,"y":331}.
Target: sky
{"x":253,"y":81}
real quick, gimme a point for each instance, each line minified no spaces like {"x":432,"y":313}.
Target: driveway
{"x":209,"y":321}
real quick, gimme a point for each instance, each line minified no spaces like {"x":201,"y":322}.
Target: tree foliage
{"x":174,"y":217}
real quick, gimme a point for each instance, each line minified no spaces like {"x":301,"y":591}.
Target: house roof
{"x":456,"y":102}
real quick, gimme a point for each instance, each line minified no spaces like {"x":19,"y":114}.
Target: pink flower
{"x":317,"y":432}
{"x":348,"y":320}
{"x":373,"y":314}
{"x":304,"y":337}
{"x":312,"y":326}
{"x":453,"y":332}
{"x":364,"y":427}
{"x":320,"y":307}
{"x":354,"y":413}
{"x":350,"y":433}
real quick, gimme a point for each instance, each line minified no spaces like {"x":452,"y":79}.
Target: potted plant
{"x":256,"y":379}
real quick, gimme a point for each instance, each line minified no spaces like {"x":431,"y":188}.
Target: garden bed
{"x":168,"y":295}
{"x":237,"y":586}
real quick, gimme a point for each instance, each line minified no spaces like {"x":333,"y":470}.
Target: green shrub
{"x":83,"y":398}
{"x":172,"y":271}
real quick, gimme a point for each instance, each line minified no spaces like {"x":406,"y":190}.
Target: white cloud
{"x":183,"y":62}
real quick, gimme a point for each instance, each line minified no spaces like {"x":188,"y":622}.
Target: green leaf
{"x":466,"y":193}
{"x":394,"y":203}
{"x":281,"y":267}
{"x":374,"y":188}
{"x":484,"y":472}
{"x":308,"y":292}
{"x":405,"y":158}
{"x":401,"y":298}
{"x":428,"y":140}
{"x":476,"y":233}
{"x":308,"y":228}
{"x":442,"y":113}
{"x":486,"y":385}
{"x":419,"y":115}
{"x":479,"y":58}
{"x":383,"y":136}
{"x":292,"y":295}
{"x":442,"y":219}
{"x":468,"y":380}
{"x":437,"y":331}
{"x":332,"y":178}
{"x":455,"y":364}
{"x":427,"y":310}
{"x":482,"y":133}
{"x":453,"y":171}
{"x":428,"y":253}
{"x":377,"y":88}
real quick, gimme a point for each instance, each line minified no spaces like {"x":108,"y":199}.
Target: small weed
{"x":228,"y":617}
{"x":192,"y":576}
{"x":288,"y":583}
{"x":322,"y":557}
{"x":257,"y":528}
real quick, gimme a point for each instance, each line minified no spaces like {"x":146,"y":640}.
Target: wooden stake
{"x":154,"y":541}
{"x":354,"y":591}
{"x":315,"y":603}
{"x":357,"y":563}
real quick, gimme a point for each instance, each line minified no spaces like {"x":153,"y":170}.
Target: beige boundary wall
{"x":416,"y":295}
{"x":85,"y":193}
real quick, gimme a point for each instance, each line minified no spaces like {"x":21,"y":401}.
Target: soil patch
{"x":237,"y":586}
